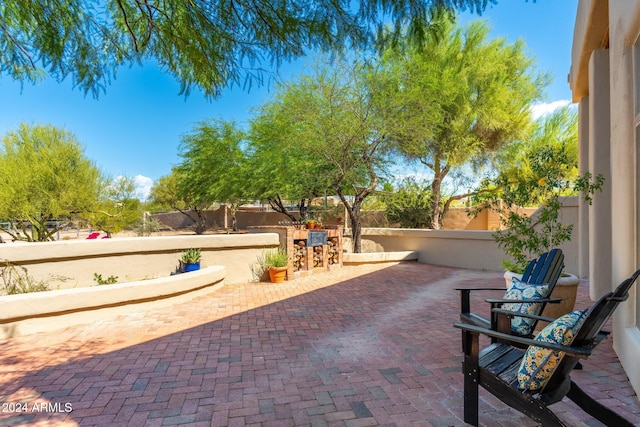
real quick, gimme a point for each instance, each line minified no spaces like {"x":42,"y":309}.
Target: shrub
{"x":108,"y":281}
{"x":16,"y":280}
{"x":410,"y":204}
{"x":269,"y":258}
{"x":146,"y":227}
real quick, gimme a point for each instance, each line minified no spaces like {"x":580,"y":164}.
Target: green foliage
{"x":214,"y":166}
{"x":211,"y":45}
{"x":526,"y":237}
{"x":171,"y":190}
{"x":453,"y":100}
{"x":537,"y":171}
{"x":213,"y":169}
{"x":410,"y":204}
{"x":16,"y":280}
{"x":147,"y":226}
{"x":545,"y":158}
{"x":45,"y":180}
{"x":283,"y":169}
{"x":191,"y":256}
{"x":117,"y":207}
{"x":276,"y":258}
{"x":267,"y":259}
{"x":332,"y":134}
{"x":111,"y":280}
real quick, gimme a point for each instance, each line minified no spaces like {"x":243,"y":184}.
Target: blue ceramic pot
{"x":191,"y":266}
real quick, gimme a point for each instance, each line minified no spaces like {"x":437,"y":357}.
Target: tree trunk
{"x":354,"y":211}
{"x":277,"y":205}
{"x":356,"y":227}
{"x":303,"y":208}
{"x":234,"y":218}
{"x":201,"y":222}
{"x":435,"y":203}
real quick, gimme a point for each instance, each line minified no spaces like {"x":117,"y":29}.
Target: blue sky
{"x":134,"y":129}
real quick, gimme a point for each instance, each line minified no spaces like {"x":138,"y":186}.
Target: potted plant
{"x":524,"y":237}
{"x":276,"y":262}
{"x":541,"y":174}
{"x":190,"y":260}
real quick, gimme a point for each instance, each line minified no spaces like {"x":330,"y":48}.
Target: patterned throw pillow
{"x":539,"y":363}
{"x":519,"y":290}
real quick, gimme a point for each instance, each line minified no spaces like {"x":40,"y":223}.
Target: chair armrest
{"x":518,"y":301}
{"x":580,"y":352}
{"x":510,"y":313}
{"x":465,"y":300}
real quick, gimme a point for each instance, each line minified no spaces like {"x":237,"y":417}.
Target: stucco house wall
{"x":604,"y":62}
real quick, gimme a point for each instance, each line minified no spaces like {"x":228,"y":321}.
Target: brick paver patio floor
{"x":364,"y":346}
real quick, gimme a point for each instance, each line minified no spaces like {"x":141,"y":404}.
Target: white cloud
{"x":143,"y":186}
{"x":540,"y":110}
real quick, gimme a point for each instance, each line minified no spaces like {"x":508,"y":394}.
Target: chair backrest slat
{"x":546,"y":269}
{"x":597,"y":317}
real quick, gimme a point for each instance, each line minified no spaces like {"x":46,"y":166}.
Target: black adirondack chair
{"x":495,"y":367}
{"x":546,"y":269}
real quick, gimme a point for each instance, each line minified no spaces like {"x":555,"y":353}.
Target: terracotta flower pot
{"x":277,"y":274}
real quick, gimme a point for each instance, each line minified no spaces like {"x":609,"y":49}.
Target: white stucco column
{"x":600,"y":163}
{"x":582,"y":231}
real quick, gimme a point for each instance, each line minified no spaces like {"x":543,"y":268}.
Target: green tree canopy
{"x":283,"y":167}
{"x":117,"y":207}
{"x":456,"y":98}
{"x":171,"y":190}
{"x":204,"y":43}
{"x":545,"y":158}
{"x":214,"y":166}
{"x":44,"y":178}
{"x":536,"y":171}
{"x":409,"y":204}
{"x":332,"y":123}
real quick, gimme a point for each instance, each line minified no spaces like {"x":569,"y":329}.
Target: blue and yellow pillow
{"x":539,"y":363}
{"x":519,"y":290}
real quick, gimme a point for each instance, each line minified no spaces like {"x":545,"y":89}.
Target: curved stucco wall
{"x":45,"y":311}
{"x":135,"y":258}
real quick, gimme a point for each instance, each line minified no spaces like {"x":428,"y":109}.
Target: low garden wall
{"x":134,"y":258}
{"x":44,"y":311}
{"x":143,"y":267}
{"x":453,"y":248}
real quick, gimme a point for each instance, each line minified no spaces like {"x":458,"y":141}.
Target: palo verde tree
{"x":283,"y":169}
{"x":536,"y":171}
{"x":332,"y":119}
{"x":455,"y":99}
{"x":208,"y":44}
{"x":214,"y":166}
{"x":45,"y":181}
{"x":117,"y":207}
{"x":171,"y":190}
